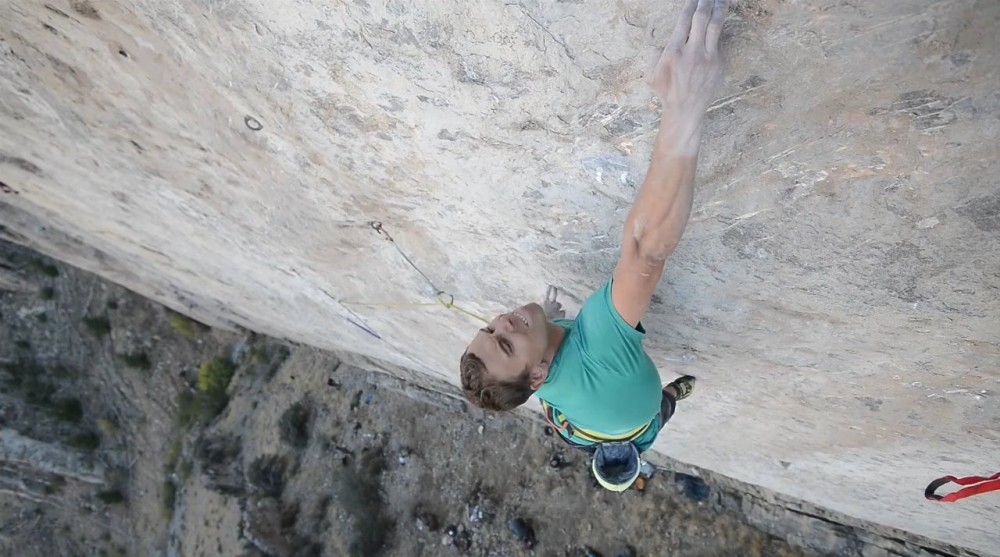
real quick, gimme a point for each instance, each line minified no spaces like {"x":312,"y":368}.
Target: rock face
{"x":837,"y":291}
{"x":46,"y":458}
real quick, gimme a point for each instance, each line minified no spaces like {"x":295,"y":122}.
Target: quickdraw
{"x":977,"y":486}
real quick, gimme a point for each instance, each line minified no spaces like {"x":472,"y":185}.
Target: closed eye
{"x":507,"y":347}
{"x":504,"y":344}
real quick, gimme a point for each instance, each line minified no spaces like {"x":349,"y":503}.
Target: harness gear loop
{"x":977,"y":486}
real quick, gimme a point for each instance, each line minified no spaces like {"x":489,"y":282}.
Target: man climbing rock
{"x":598,"y":386}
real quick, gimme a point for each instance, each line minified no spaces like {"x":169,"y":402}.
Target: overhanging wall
{"x":836,"y":294}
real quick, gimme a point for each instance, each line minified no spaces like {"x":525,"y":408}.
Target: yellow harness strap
{"x":560,"y":423}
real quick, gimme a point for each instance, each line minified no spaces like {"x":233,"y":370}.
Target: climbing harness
{"x":443,"y":299}
{"x":615,"y":462}
{"x":559,"y":422}
{"x":977,"y":485}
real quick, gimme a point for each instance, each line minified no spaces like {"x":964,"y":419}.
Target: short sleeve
{"x":605,"y":335}
{"x":599,"y":315}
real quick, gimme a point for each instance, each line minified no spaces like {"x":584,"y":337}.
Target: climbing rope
{"x":449,"y":304}
{"x":443,"y":299}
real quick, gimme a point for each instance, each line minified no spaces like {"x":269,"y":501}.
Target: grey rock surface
{"x":46,"y":458}
{"x":836,"y":292}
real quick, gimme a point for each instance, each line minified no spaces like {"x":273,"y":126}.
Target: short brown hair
{"x":486,"y":393}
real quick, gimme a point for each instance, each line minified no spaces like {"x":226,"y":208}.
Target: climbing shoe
{"x":684,"y":386}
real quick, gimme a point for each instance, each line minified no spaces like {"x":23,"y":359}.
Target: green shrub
{"x":85,"y":441}
{"x":16,"y":371}
{"x":62,"y":371}
{"x":40,"y":393}
{"x":137,"y":360}
{"x":56,"y":485}
{"x":31,"y":378}
{"x":198,"y":408}
{"x":108,"y":427}
{"x":42,"y":318}
{"x":210,"y":406}
{"x":22,"y":344}
{"x":270,"y":361}
{"x":214,"y":376}
{"x":111,"y":497}
{"x":268,"y":474}
{"x":68,"y":410}
{"x":259,"y":354}
{"x":185,"y":469}
{"x":46,"y":269}
{"x":47,"y":293}
{"x":169,"y":499}
{"x":294,"y":424}
{"x":97,"y":326}
{"x":186,"y":413}
{"x":186,"y":326}
{"x":173,"y":454}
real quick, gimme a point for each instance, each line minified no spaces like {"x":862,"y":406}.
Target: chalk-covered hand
{"x":688,"y":73}
{"x":553,"y":309}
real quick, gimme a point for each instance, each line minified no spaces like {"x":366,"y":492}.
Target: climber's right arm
{"x":686,"y":78}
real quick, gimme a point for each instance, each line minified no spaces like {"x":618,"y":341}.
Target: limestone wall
{"x":837,"y":292}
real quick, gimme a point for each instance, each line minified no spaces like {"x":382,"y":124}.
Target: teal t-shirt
{"x":602,"y":379}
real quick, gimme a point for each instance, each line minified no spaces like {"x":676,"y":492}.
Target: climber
{"x":597,"y":385}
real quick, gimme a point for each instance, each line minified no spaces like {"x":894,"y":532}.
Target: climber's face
{"x":514,"y":342}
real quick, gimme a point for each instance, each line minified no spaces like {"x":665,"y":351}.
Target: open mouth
{"x":522,"y":318}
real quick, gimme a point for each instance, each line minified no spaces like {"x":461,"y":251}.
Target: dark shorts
{"x":667,"y":408}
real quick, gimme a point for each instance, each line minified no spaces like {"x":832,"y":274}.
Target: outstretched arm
{"x":686,"y":78}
